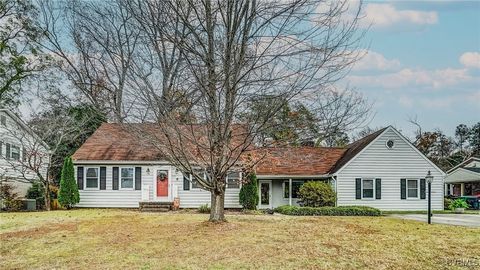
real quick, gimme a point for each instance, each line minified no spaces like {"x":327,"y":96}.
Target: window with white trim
{"x":233,"y":180}
{"x":15,"y":152}
{"x":127,"y":178}
{"x":296,"y":184}
{"x":195,"y":183}
{"x":92,"y":178}
{"x":412,"y":188}
{"x":367,"y":188}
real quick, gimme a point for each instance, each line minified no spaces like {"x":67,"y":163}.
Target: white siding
{"x":130,"y":198}
{"x":15,"y":172}
{"x":377,"y":161}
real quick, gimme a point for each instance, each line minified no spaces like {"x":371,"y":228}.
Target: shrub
{"x":37,"y":192}
{"x":459,"y":203}
{"x":8,"y":198}
{"x":446,"y":203}
{"x":248,"y":196}
{"x":204,"y":209}
{"x":317,"y":194}
{"x":68,"y":194}
{"x":328,"y":211}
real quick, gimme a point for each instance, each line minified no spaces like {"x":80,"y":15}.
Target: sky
{"x":422,"y":61}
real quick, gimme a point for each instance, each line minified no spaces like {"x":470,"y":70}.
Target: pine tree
{"x":68,"y":194}
{"x":249,"y":193}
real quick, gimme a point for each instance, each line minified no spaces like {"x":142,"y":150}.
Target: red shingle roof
{"x":298,"y":160}
{"x":115,"y":142}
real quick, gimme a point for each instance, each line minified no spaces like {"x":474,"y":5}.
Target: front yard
{"x":115,"y":239}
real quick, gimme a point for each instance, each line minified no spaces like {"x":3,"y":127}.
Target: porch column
{"x":290,"y":191}
{"x":462,"y":189}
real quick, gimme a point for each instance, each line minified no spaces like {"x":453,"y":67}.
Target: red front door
{"x":162,"y":183}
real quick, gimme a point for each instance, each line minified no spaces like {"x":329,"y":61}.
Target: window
{"x":91,"y":178}
{"x":195,"y":183}
{"x":296,"y":184}
{"x":126,"y":178}
{"x":3,"y":120}
{"x":15,"y":152}
{"x":412,"y":188}
{"x":233,"y":180}
{"x":367,"y":188}
{"x":390,"y":144}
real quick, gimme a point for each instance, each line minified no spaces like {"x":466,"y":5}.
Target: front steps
{"x":155,"y":206}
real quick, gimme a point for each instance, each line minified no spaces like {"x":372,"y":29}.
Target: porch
{"x":277,"y":191}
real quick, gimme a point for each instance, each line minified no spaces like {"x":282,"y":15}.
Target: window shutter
{"x":358,"y":188}
{"x":1,"y":149}
{"x":80,"y":178}
{"x":422,"y":189}
{"x":103,"y":177}
{"x":378,"y":188}
{"x":403,"y":189}
{"x":138,"y":178}
{"x":24,"y":154}
{"x":115,"y":178}
{"x":7,"y":150}
{"x":186,"y":182}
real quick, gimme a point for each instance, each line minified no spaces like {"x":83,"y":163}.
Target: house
{"x":382,"y":170}
{"x":464,"y":179}
{"x":17,"y":140}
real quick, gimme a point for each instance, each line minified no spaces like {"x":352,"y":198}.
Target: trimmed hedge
{"x":328,"y":211}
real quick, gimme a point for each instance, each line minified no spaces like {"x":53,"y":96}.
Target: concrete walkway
{"x":469,"y":220}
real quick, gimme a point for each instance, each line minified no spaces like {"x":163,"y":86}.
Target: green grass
{"x":118,"y":239}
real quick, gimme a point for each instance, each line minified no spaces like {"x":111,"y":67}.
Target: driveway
{"x":469,"y":220}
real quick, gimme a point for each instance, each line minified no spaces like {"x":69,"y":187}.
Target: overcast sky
{"x":423,"y":60}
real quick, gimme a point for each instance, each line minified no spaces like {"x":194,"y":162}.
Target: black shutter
{"x":80,"y":178}
{"x":403,"y":189}
{"x":422,"y":189}
{"x":378,"y":188}
{"x":115,"y":178}
{"x":186,"y":182}
{"x":358,"y":188}
{"x":7,"y":150}
{"x":24,"y":154}
{"x":103,"y":177}
{"x":138,"y":178}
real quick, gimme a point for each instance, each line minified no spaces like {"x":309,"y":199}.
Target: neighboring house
{"x":464,"y":179}
{"x":17,"y":141}
{"x":382,"y":170}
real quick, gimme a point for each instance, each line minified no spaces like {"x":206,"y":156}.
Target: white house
{"x":382,"y":170}
{"x":464,"y":179}
{"x":17,"y":142}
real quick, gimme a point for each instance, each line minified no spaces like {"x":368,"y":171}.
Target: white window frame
{"x":13,"y":146}
{"x":285,"y":183}
{"x":418,"y":189}
{"x":239,"y":181}
{"x":374,"y":188}
{"x":120,"y":178}
{"x":85,"y":178}
{"x":191,"y":181}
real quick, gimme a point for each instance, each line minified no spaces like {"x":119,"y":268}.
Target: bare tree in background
{"x":95,"y":43}
{"x":235,"y":53}
{"x":35,"y":158}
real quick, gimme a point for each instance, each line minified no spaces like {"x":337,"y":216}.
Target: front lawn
{"x":116,"y":239}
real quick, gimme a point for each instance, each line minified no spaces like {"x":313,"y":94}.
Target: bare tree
{"x":235,"y":53}
{"x":95,"y":43}
{"x":30,"y":157}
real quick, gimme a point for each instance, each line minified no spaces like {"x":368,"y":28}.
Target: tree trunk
{"x":217,"y":211}
{"x":47,"y":196}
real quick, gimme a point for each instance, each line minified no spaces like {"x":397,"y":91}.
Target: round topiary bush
{"x":249,"y":193}
{"x":317,"y":194}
